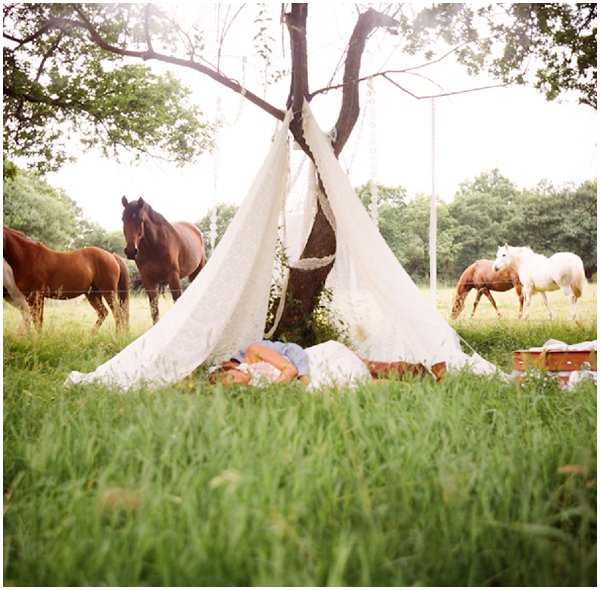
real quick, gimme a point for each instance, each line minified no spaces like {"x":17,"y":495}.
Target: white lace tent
{"x":225,"y":307}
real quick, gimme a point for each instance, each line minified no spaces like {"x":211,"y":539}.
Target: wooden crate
{"x":554,"y":360}
{"x":556,"y":364}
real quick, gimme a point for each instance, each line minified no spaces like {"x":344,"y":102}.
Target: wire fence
{"x":163,"y":288}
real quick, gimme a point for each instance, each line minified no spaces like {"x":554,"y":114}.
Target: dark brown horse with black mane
{"x":481,"y":276}
{"x":164,"y":252}
{"x":40,"y":272}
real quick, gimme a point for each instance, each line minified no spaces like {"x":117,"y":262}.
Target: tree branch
{"x":452,"y":93}
{"x":10,"y":37}
{"x":385,"y":72}
{"x":295,"y":21}
{"x":225,"y":30}
{"x":57,"y":102}
{"x":400,"y":87}
{"x":47,"y":55}
{"x":31,"y":37}
{"x":66,"y":24}
{"x":350,"y":109}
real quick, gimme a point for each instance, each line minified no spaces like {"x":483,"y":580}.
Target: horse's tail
{"x":462,"y":289}
{"x":203,"y":258}
{"x":123,"y":289}
{"x":579,"y":280}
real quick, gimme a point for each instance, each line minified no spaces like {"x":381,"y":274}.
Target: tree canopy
{"x":561,"y":38}
{"x":40,"y":210}
{"x":60,"y":86}
{"x":552,"y":46}
{"x":71,"y":66}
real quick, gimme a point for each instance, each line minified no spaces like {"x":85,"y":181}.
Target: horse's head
{"x":135,"y":215}
{"x":504,"y":258}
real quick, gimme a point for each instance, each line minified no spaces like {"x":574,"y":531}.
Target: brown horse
{"x":41,"y":272}
{"x":481,"y":276}
{"x":164,"y":253}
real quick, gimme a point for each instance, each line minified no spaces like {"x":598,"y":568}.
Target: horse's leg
{"x":519,"y":291}
{"x":113,"y":302}
{"x":14,"y":296}
{"x":175,"y":285}
{"x":36,"y":304}
{"x":487,"y":293}
{"x":545,"y":298}
{"x":153,"y":300}
{"x":573,"y":298}
{"x":17,"y":300}
{"x":528,"y":295}
{"x":95,"y":300}
{"x":152,"y":290}
{"x":479,"y":294}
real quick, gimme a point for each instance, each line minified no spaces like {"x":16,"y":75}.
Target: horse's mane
{"x":524,"y":249}
{"x":22,"y":236}
{"x":155,"y":216}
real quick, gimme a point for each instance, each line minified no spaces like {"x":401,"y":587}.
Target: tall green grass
{"x":469,"y":482}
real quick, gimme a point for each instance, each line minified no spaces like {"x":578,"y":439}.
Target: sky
{"x":513,"y":129}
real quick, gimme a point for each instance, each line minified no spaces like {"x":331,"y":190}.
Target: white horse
{"x":537,"y":273}
{"x":13,"y":295}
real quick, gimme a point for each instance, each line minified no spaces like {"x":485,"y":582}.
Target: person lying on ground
{"x":330,"y":363}
{"x":264,"y":362}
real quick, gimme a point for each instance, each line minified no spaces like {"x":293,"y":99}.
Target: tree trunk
{"x":305,"y":286}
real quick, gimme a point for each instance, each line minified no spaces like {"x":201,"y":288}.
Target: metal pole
{"x":433,"y":216}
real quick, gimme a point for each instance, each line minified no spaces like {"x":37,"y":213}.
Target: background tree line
{"x":485,"y":212}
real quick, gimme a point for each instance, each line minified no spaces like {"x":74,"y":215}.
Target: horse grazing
{"x":41,"y":272}
{"x":13,"y":295}
{"x":538,"y":274}
{"x":481,"y":276}
{"x":164,"y":252}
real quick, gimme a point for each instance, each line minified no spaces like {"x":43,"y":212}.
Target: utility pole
{"x":433,"y":216}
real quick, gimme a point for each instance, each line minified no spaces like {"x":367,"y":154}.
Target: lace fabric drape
{"x":224,"y":309}
{"x":388,"y":318}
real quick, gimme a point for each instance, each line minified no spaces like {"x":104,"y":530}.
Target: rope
{"x":374,"y":189}
{"x":312,"y":263}
{"x":242,"y":93}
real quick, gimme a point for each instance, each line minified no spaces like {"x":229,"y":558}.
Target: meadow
{"x":472,"y":481}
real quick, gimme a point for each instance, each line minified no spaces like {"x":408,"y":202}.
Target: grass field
{"x":469,"y":482}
